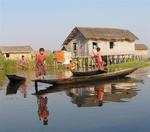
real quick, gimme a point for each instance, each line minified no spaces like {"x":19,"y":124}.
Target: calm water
{"x":122,"y":106}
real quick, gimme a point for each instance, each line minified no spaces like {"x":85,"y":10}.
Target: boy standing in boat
{"x":98,"y":59}
{"x":72,"y":66}
{"x":40,"y":67}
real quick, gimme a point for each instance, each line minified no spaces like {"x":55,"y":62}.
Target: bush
{"x":10,"y":66}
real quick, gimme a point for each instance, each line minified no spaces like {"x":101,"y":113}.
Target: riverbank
{"x":129,"y":64}
{"x":12,"y":66}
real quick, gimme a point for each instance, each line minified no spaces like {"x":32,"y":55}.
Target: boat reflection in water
{"x":14,"y":86}
{"x":98,"y":94}
{"x":93,"y":94}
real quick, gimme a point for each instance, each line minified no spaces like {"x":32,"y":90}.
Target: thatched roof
{"x":15,"y":49}
{"x":102,"y":34}
{"x":141,"y":47}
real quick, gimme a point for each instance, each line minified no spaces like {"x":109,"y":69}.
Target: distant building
{"x":141,"y":51}
{"x":113,"y":42}
{"x":15,"y":52}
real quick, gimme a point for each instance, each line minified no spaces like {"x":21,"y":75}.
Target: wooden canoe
{"x":75,"y":80}
{"x":88,"y":73}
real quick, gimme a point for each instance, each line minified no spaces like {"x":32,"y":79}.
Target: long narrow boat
{"x":74,"y":80}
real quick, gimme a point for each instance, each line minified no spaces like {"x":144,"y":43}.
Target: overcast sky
{"x":46,"y":23}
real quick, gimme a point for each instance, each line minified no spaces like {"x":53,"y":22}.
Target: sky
{"x":46,"y":23}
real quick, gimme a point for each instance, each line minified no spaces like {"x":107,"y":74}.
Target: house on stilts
{"x":116,"y":45}
{"x":141,"y":52}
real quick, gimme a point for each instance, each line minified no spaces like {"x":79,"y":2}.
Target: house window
{"x":94,"y":45}
{"x":74,"y":46}
{"x":111,"y":45}
{"x":7,"y":55}
{"x":75,"y":49}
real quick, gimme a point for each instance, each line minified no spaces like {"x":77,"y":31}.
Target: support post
{"x":36,"y":87}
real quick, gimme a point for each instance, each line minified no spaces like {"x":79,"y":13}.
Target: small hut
{"x":15,"y":52}
{"x":114,"y":43}
{"x":141,"y":52}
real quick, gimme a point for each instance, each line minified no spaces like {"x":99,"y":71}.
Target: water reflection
{"x":88,"y":96}
{"x":43,"y":112}
{"x":24,"y":89}
{"x":78,"y":101}
{"x":14,"y":86}
{"x":93,"y":94}
{"x":99,"y":91}
{"x":98,"y":94}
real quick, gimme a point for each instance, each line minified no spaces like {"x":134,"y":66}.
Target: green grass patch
{"x":129,"y":64}
{"x":7,"y":66}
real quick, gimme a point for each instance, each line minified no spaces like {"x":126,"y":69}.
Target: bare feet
{"x":40,"y":77}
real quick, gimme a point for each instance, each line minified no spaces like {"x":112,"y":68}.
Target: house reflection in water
{"x":95,"y":95}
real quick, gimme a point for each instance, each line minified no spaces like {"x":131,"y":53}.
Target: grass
{"x":11,"y":66}
{"x":7,"y":66}
{"x":129,"y":64}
